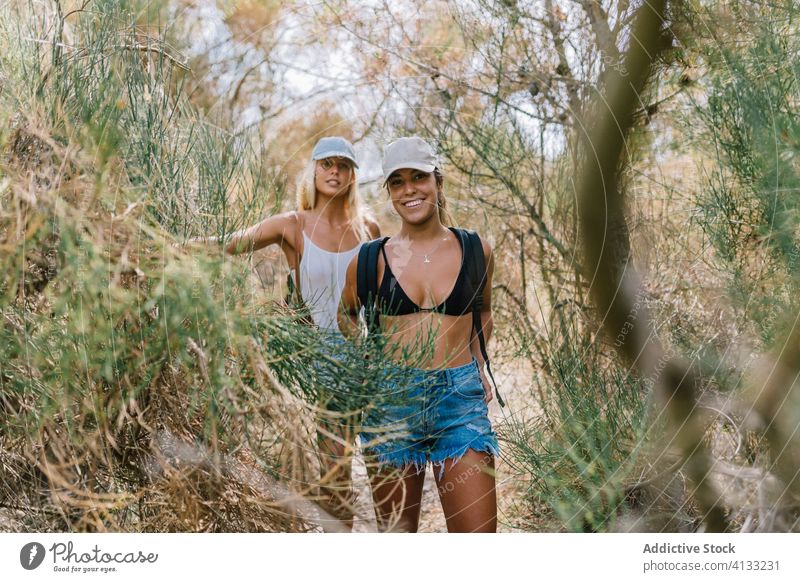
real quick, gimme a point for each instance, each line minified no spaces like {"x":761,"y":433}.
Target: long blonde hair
{"x":307,"y":199}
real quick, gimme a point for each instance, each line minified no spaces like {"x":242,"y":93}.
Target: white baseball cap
{"x":334,"y":147}
{"x":408,"y":152}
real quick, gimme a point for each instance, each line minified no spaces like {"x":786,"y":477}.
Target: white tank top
{"x":322,"y":278}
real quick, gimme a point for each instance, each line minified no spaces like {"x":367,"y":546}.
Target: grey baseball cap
{"x":408,"y":152}
{"x":334,"y":147}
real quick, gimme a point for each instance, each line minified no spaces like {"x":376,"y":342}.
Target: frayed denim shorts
{"x":428,"y":415}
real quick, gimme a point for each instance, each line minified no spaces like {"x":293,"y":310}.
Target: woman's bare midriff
{"x":427,"y":340}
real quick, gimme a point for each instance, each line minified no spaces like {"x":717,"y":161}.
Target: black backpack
{"x":367,"y":286}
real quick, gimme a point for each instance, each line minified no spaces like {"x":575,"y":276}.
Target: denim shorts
{"x":429,"y":415}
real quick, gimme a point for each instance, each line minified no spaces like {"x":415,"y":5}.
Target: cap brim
{"x":327,"y":155}
{"x":411,"y":165}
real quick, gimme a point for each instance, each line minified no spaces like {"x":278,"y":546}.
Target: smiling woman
{"x":425,"y":285}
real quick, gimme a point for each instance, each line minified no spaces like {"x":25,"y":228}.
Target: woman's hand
{"x":487,"y":388}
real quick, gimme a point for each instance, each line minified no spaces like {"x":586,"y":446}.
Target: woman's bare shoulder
{"x":279,"y":228}
{"x":487,"y":247}
{"x":373,"y":228}
{"x":288,"y":221}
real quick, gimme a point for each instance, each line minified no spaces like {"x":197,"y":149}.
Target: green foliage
{"x":119,"y":94}
{"x":579,"y":456}
{"x":750,"y":210}
{"x":112,"y":342}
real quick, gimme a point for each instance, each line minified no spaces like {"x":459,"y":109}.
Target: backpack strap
{"x":477,"y":275}
{"x":367,"y":282}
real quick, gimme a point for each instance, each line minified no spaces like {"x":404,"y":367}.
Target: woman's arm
{"x":487,"y":321}
{"x":279,"y":229}
{"x":350,"y":304}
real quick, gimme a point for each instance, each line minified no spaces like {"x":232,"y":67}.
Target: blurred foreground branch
{"x":614,"y":287}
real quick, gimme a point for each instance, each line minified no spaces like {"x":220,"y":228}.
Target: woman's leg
{"x":335,"y":442}
{"x":467,"y":492}
{"x":397,"y":494}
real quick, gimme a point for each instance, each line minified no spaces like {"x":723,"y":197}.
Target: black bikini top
{"x":394,"y":301}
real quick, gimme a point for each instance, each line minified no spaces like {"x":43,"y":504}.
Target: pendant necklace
{"x":427,"y":256}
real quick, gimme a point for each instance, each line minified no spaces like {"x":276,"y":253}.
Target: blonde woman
{"x":319,"y":240}
{"x":427,"y":281}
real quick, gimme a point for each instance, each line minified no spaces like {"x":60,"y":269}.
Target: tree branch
{"x":614,"y":288}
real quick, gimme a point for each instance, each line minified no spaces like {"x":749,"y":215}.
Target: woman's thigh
{"x":397,"y":494}
{"x":467,"y":492}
